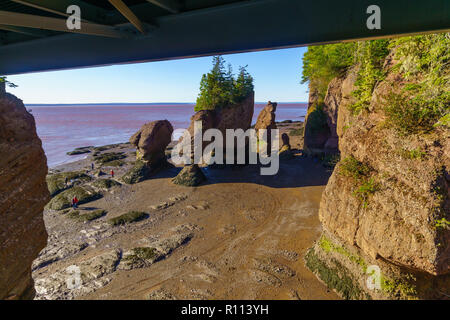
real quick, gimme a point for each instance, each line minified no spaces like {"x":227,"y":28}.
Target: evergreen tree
{"x":219,"y":88}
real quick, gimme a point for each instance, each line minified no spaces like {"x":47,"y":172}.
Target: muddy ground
{"x":238,"y":236}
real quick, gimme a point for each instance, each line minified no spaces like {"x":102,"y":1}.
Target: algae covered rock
{"x":105,"y":184}
{"x":129,"y":217}
{"x":64,"y":199}
{"x":81,"y":150}
{"x":110,"y":158}
{"x":57,"y":182}
{"x":140,"y":257}
{"x":190,"y":176}
{"x":139,"y":172}
{"x":92,"y":215}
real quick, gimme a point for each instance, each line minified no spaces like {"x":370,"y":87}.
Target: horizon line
{"x":133,"y":103}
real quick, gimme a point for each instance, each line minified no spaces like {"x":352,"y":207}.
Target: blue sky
{"x":277,"y":75}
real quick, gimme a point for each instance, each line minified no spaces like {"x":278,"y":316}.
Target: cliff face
{"x":387,"y":201}
{"x":23,"y":195}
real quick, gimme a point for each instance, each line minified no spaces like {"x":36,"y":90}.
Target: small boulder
{"x":285,"y":152}
{"x":190,"y":176}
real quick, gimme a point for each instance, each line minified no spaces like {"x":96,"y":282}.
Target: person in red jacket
{"x":75,"y":202}
{"x":112,"y":173}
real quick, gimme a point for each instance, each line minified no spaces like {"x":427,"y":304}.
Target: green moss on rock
{"x":138,"y":173}
{"x":108,"y":157}
{"x":64,"y":199}
{"x":56,"y":182}
{"x":143,"y":253}
{"x":336,"y":277}
{"x":190,"y":176}
{"x":105,"y":183}
{"x":92,"y":215}
{"x":129,"y":217}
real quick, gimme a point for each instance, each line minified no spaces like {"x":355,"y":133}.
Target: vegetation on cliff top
{"x":8,"y":83}
{"x":323,"y":63}
{"x":419,"y":103}
{"x":220,"y":88}
{"x":424,"y":102}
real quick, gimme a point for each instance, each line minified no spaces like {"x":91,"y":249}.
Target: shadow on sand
{"x":300,"y":171}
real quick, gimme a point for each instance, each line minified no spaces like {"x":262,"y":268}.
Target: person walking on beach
{"x":112,"y":173}
{"x":75,"y":202}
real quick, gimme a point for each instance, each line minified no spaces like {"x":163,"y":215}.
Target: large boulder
{"x":151,"y":141}
{"x":23,"y":195}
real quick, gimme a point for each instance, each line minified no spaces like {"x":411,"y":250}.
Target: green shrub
{"x":365,"y":190}
{"x":316,"y":121}
{"x":323,"y":63}
{"x":219,"y":88}
{"x":412,"y":154}
{"x":424,"y":102}
{"x":416,"y":114}
{"x":128,"y":217}
{"x":370,"y":56}
{"x":442,"y":223}
{"x":365,"y":185}
{"x":8,"y":83}
{"x":350,"y":167}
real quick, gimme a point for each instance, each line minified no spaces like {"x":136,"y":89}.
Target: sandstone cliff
{"x":387,"y":201}
{"x":23,"y":195}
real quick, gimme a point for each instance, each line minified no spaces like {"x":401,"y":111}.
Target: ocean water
{"x":63,"y":128}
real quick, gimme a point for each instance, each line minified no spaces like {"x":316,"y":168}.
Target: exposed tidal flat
{"x":239,"y":235}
